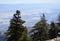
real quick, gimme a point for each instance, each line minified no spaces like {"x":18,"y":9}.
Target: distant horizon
{"x":28,"y":1}
{"x":31,"y":11}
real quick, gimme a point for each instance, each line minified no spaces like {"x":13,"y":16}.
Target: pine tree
{"x":59,"y":17}
{"x":58,"y":24}
{"x":53,"y":31}
{"x":40,"y":30}
{"x":16,"y":30}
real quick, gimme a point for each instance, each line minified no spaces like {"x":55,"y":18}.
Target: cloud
{"x":4,"y":20}
{"x":30,"y":13}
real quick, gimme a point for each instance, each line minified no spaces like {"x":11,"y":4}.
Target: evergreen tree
{"x":53,"y":31}
{"x":40,"y":30}
{"x":58,"y":24}
{"x":16,"y":31}
{"x":59,"y":17}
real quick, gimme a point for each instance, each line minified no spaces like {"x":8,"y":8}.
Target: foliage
{"x":40,"y":30}
{"x":16,"y":30}
{"x":53,"y":31}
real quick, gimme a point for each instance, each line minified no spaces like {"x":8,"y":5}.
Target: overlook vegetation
{"x":41,"y":31}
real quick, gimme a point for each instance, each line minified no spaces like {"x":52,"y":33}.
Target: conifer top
{"x":18,"y":12}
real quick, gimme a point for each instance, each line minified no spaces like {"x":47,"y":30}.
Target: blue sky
{"x":28,"y":1}
{"x":31,"y":11}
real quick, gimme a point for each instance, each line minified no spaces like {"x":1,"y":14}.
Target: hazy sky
{"x":28,"y":1}
{"x":31,"y":10}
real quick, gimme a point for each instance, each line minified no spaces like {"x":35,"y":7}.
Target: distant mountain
{"x":2,"y":37}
